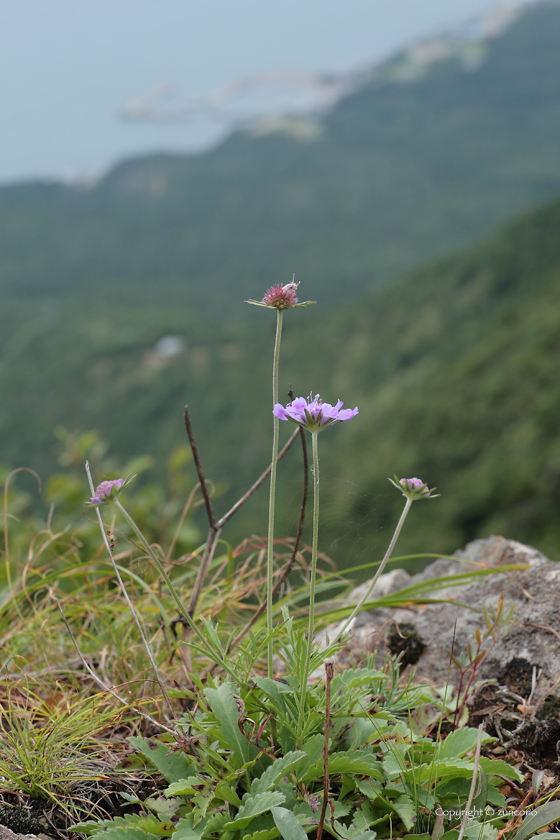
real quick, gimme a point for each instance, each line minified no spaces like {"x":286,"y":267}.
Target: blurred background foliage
{"x":453,"y":365}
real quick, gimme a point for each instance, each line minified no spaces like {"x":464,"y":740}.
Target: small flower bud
{"x":413,"y":488}
{"x":107,"y":491}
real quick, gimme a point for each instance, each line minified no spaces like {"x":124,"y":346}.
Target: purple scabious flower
{"x":280,"y":297}
{"x":414,"y":488}
{"x":106,"y":492}
{"x":313,"y":414}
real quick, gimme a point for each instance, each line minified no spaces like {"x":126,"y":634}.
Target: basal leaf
{"x":186,"y":831}
{"x":253,"y":806}
{"x":405,"y":808}
{"x":184,"y":787}
{"x":223,"y":705}
{"x":459,"y":743}
{"x":493,"y":766}
{"x":263,"y":834}
{"x":276,"y":770}
{"x":172,"y":767}
{"x":288,"y":824}
{"x":225,"y":792}
{"x":545,"y":815}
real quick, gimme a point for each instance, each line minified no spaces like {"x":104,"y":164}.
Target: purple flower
{"x":413,"y":488}
{"x":106,"y":492}
{"x":313,"y":414}
{"x":280,"y":297}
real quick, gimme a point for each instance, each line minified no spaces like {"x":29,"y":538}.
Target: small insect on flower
{"x":281,"y":297}
{"x":313,"y":414}
{"x":107,"y":491}
{"x":414,"y":488}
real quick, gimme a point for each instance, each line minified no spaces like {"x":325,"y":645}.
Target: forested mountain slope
{"x":455,"y":371}
{"x":454,"y":368}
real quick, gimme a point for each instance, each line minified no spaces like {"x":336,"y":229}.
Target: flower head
{"x":106,"y":492}
{"x":313,"y":414}
{"x":413,"y":488}
{"x":281,"y":297}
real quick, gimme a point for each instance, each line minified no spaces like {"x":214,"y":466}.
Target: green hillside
{"x":454,"y":369}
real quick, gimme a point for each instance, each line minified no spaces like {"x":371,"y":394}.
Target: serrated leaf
{"x":276,"y":770}
{"x":356,"y":677}
{"x":459,"y":743}
{"x":253,"y":806}
{"x":356,"y":763}
{"x":184,"y":787}
{"x":225,"y":709}
{"x":185,"y":830}
{"x":263,"y":834}
{"x":127,"y":832}
{"x":227,"y":794}
{"x":405,"y":808}
{"x":545,"y":815}
{"x":89,"y":826}
{"x":288,"y":824}
{"x":172,"y":767}
{"x":494,"y":766}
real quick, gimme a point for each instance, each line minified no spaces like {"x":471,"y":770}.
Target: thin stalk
{"x":127,"y":599}
{"x":270,"y":548}
{"x":99,"y":681}
{"x":329,"y":673}
{"x":314,"y":549}
{"x":474,"y":783}
{"x":388,"y":553}
{"x":159,"y":566}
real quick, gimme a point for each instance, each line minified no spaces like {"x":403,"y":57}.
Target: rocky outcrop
{"x":526,"y":660}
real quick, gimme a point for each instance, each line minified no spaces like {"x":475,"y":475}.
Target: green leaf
{"x":225,"y":708}
{"x":493,"y":766}
{"x":417,"y":837}
{"x":253,"y":806}
{"x":277,"y":769}
{"x":288,"y":824}
{"x":356,"y":677}
{"x":545,"y":815}
{"x":225,"y":792}
{"x":405,"y":808}
{"x":356,"y":762}
{"x":459,"y":743}
{"x":127,"y":832}
{"x":263,"y":834}
{"x":184,"y":787}
{"x":185,"y":830}
{"x":172,"y":767}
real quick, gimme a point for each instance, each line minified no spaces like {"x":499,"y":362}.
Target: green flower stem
{"x":388,"y":553}
{"x":270,"y":545}
{"x":311,"y":623}
{"x":157,"y":562}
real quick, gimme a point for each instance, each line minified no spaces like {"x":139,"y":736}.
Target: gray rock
{"x":530,"y":649}
{"x":8,"y":834}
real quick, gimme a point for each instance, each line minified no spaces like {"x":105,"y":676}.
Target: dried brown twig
{"x":215,"y":526}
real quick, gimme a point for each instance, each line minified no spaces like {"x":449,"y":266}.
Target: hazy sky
{"x":68,"y":66}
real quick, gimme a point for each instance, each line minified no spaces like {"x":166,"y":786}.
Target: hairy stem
{"x":384,"y":562}
{"x":314,"y":549}
{"x":315,"y":546}
{"x":270,"y":548}
{"x":127,"y":598}
{"x":159,"y":566}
